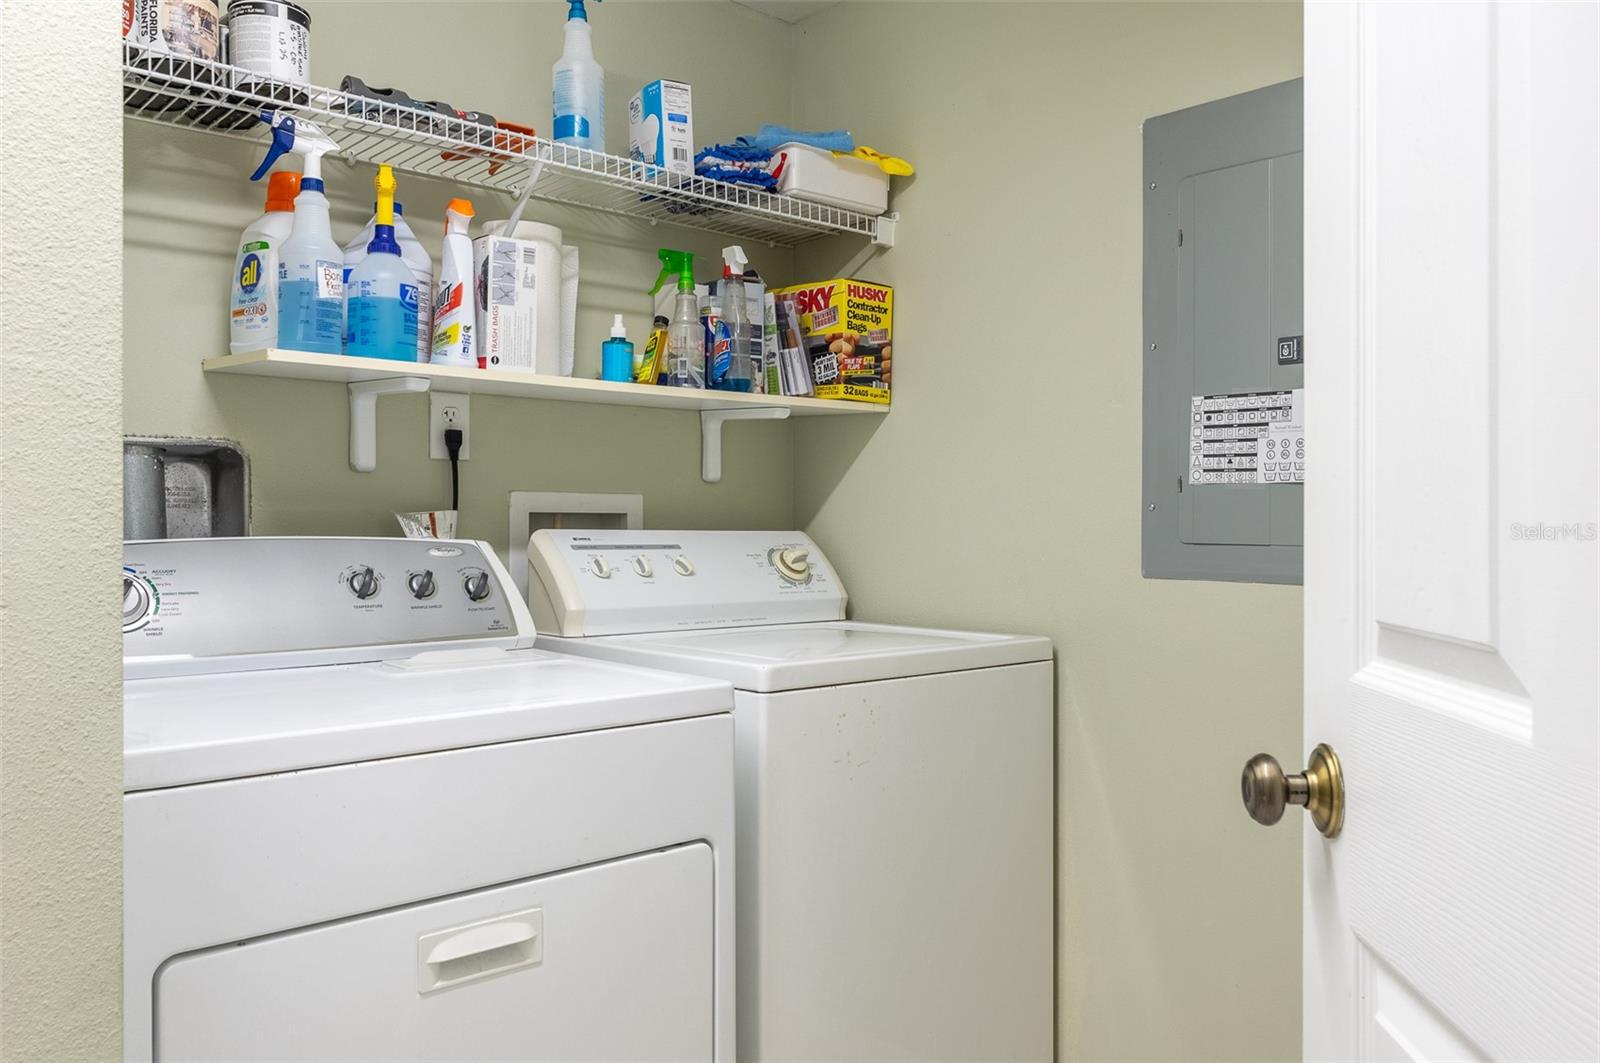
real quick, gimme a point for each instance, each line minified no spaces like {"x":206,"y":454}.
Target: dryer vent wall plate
{"x":177,"y":487}
{"x":533,"y":510}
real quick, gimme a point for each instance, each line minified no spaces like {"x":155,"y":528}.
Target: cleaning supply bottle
{"x":455,"y":310}
{"x":310,"y":265}
{"x":382,"y":294}
{"x":253,"y":314}
{"x":616,"y":354}
{"x":578,"y":99}
{"x":415,"y":256}
{"x":686,"y":351}
{"x":655,"y":353}
{"x":737,"y":371}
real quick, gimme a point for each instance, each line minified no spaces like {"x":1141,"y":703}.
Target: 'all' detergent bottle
{"x":253,"y":312}
{"x":381,"y":297}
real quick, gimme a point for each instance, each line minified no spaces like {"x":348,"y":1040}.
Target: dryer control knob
{"x":681,"y":564}
{"x":364,"y":583}
{"x":641,"y":565}
{"x":477,"y":586}
{"x":793,"y":564}
{"x":599,"y":567}
{"x":422,"y":584}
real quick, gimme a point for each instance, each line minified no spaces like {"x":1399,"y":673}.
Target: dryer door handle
{"x":481,"y":949}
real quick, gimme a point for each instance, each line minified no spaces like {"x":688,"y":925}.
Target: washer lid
{"x":796,"y":656}
{"x":189,"y":729}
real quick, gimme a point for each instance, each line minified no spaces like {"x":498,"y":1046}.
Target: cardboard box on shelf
{"x":846,"y":328}
{"x":661,"y":126}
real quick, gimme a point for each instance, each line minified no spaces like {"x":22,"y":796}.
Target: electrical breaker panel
{"x":1225,"y":442}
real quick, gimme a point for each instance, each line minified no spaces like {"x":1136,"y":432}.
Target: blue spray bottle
{"x":310,"y":265}
{"x":381,"y":296}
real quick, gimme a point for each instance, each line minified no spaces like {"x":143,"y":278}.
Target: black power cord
{"x":452,"y":443}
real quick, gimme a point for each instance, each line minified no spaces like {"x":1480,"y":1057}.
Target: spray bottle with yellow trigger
{"x":310,"y":265}
{"x":381,"y":297}
{"x":686,"y":349}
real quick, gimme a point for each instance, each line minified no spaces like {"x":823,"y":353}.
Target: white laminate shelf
{"x":301,"y":365}
{"x":369,"y":378}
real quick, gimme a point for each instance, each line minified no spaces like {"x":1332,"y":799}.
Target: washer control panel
{"x":616,"y":582}
{"x":194,"y":603}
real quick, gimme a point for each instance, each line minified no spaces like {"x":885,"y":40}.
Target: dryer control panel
{"x":623,"y":582}
{"x":208,"y":605}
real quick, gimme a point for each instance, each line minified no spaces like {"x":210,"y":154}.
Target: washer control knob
{"x":364,"y":582}
{"x":477,"y":586}
{"x":136,"y":603}
{"x":681,"y":564}
{"x":422,"y":584}
{"x":641,"y":565}
{"x":793,"y":563}
{"x":598,"y":566}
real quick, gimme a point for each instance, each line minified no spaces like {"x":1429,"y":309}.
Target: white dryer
{"x":364,"y":820}
{"x":895,"y":791}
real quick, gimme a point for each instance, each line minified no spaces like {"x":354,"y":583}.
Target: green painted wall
{"x":1003,"y":492}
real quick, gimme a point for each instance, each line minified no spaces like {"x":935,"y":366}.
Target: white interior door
{"x":1451,"y":577}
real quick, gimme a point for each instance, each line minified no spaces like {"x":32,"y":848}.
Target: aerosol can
{"x":310,"y":265}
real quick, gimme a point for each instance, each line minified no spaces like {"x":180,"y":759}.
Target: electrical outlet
{"x":448,"y":410}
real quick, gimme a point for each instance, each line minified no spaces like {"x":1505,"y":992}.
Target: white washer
{"x":895,"y":791}
{"x":365,"y":820}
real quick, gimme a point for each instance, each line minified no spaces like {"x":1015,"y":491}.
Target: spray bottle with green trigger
{"x":686,"y":351}
{"x":310,"y":266}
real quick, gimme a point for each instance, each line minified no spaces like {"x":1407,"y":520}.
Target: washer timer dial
{"x":138,"y":603}
{"x":793,"y":563}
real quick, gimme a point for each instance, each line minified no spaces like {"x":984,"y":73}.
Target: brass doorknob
{"x":1267,"y":791}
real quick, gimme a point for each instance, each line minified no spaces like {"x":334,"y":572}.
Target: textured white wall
{"x":1003,"y":491}
{"x":60,"y":532}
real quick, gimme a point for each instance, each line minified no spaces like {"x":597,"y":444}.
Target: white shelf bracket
{"x":884,"y":232}
{"x":364,"y":415}
{"x":711,"y":422}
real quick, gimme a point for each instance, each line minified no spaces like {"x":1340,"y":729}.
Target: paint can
{"x":165,"y":36}
{"x":270,"y":42}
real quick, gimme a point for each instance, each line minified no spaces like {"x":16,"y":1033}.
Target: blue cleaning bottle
{"x":310,"y":265}
{"x":381,"y":296}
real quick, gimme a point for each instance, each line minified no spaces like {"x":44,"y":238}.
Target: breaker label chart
{"x":1248,"y":438}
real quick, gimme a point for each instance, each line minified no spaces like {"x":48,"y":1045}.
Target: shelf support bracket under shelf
{"x":883,"y":233}
{"x":711,"y":422}
{"x":364,"y":415}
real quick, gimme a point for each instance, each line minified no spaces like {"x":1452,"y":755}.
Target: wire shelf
{"x":225,"y":100}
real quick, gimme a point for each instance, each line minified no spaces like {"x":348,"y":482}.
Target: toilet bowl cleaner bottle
{"x":253,"y":309}
{"x":415,"y":256}
{"x":381,"y":298}
{"x":578,"y":89}
{"x":310,"y":265}
{"x":455,"y":307}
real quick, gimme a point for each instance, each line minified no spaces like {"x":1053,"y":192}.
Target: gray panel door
{"x":1223,"y":287}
